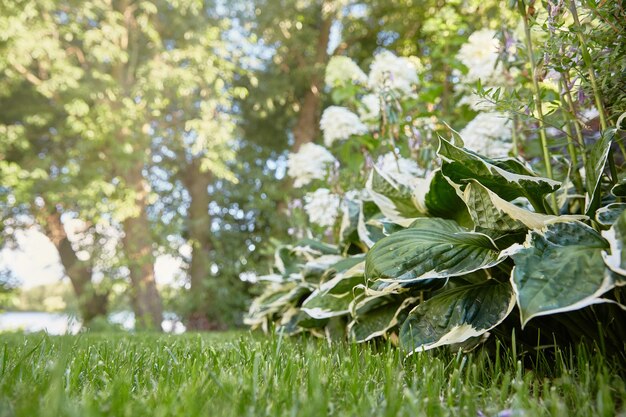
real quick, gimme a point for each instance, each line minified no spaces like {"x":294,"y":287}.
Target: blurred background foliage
{"x":135,"y":129}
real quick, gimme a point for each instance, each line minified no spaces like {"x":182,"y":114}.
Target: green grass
{"x":240,"y":375}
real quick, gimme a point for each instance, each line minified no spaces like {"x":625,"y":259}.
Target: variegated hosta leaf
{"x":315,"y":268}
{"x":495,"y":216}
{"x":277,"y":297}
{"x":314,"y":248}
{"x":456,"y":315}
{"x":616,"y":258}
{"x":507,"y":177}
{"x":558,"y":269}
{"x":430,"y":248}
{"x":379,"y":321}
{"x":333,"y":297}
{"x":351,"y":210}
{"x":342,"y":266}
{"x":395,"y":200}
{"x":368,"y":230}
{"x":441,"y":199}
{"x":594,"y":169}
{"x":619,"y":190}
{"x":607,"y":215}
{"x":285,"y":261}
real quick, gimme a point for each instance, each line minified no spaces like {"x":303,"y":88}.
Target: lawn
{"x":238,"y":374}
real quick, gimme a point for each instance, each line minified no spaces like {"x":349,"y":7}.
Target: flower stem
{"x":537,"y":98}
{"x":571,"y":149}
{"x":594,"y":85}
{"x":572,"y":114}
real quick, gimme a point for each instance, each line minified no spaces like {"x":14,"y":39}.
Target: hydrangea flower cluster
{"x":488,"y":134}
{"x":480,"y":56}
{"x":338,"y":123}
{"x":310,"y":163}
{"x":322,"y":206}
{"x":401,"y":170}
{"x":389,"y":70}
{"x":341,"y":70}
{"x":369,"y":111}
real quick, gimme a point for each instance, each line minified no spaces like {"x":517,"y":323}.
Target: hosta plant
{"x":440,"y":245}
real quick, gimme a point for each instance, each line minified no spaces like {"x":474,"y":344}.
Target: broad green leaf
{"x":314,"y":248}
{"x":285,"y":261}
{"x":379,"y":321}
{"x":558,"y":269}
{"x":456,"y":315}
{"x":368,"y":229}
{"x":276,"y":297}
{"x":607,"y":215}
{"x":314,"y":269}
{"x":442,"y":200}
{"x":333,"y":297}
{"x":321,"y":305}
{"x":507,"y":177}
{"x":594,"y":169}
{"x":495,"y":216}
{"x":615,"y":259}
{"x":619,"y":190}
{"x":351,"y":211}
{"x":430,"y":248}
{"x":395,"y":200}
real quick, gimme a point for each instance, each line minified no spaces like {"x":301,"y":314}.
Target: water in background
{"x":59,"y":323}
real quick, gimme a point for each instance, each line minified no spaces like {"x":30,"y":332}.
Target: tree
{"x":117,"y":86}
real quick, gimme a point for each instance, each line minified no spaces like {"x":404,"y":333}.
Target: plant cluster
{"x":515,"y":220}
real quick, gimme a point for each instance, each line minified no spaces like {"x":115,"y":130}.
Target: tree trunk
{"x":306,"y":128}
{"x":90,"y":303}
{"x":200,"y":239}
{"x":137,"y":243}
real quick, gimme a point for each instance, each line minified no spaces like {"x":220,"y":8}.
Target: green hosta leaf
{"x":322,"y":305}
{"x":395,"y":200}
{"x":507,"y":177}
{"x":286,"y":261}
{"x":315,"y":268}
{"x":441,"y":199}
{"x":314,"y":248}
{"x":607,"y":215}
{"x":277,"y":297}
{"x":351,"y":211}
{"x":594,"y":168}
{"x":616,"y":259}
{"x":495,"y":216}
{"x":342,"y":266}
{"x":619,"y":190}
{"x":368,"y":229}
{"x":379,"y":321}
{"x":456,"y":315}
{"x":559,"y":268}
{"x":430,"y":248}
{"x":333,"y":297}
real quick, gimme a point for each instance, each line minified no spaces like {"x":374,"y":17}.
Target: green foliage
{"x":470,"y":245}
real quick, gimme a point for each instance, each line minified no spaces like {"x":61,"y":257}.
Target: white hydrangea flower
{"x":358,"y":195}
{"x":480,"y":56}
{"x":311,"y":162}
{"x":369,"y":111}
{"x":342,"y":70}
{"x":322,"y":207}
{"x":400,"y":169}
{"x":398,"y":73}
{"x":339,"y":123}
{"x":589,"y":114}
{"x":488,"y":134}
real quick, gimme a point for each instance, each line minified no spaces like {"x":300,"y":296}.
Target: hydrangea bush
{"x":429,"y":237}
